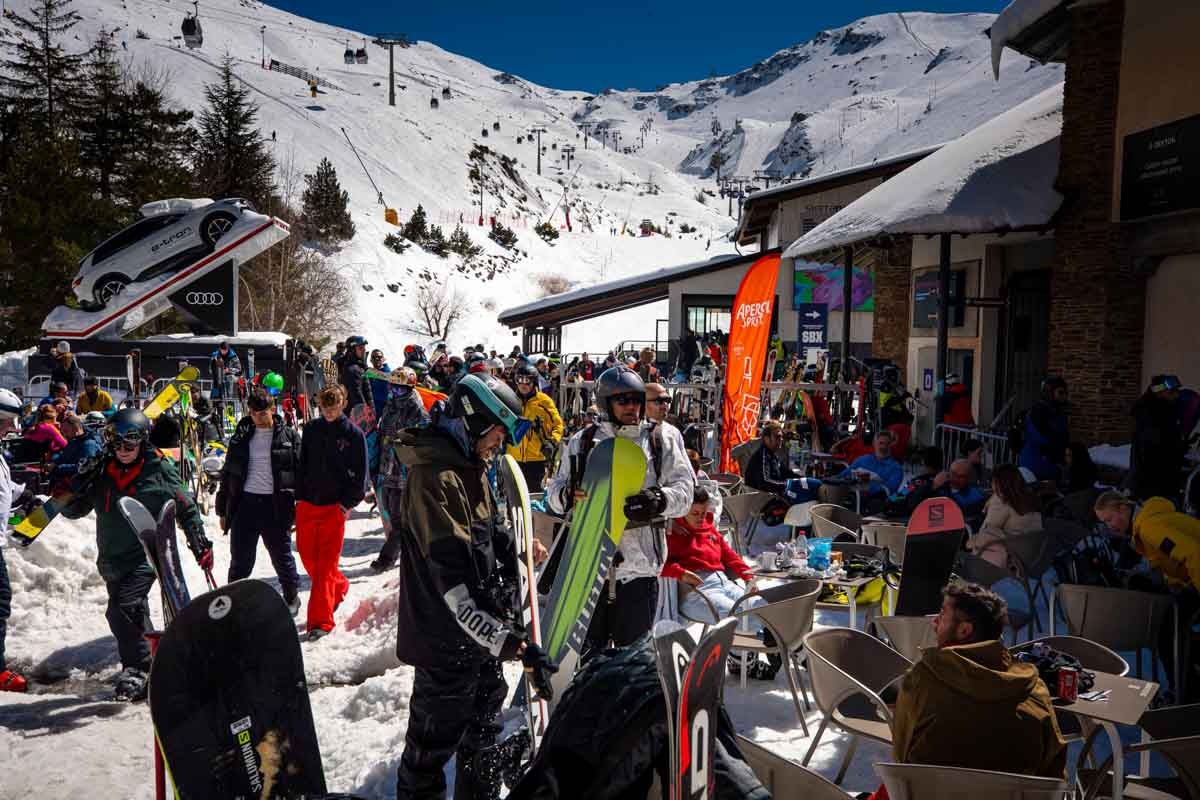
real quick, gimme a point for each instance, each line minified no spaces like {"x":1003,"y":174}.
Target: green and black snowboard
{"x":616,"y":469}
{"x":229,"y":699}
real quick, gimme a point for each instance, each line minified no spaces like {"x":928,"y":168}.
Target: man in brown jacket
{"x":967,"y":703}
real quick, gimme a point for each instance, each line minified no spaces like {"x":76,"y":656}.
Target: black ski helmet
{"x":481,"y":400}
{"x":126,"y":424}
{"x":529,"y":371}
{"x":615,"y":381}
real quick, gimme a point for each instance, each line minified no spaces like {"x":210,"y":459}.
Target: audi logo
{"x":204,"y":298}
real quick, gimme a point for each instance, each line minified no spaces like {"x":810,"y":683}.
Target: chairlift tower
{"x":538,"y":131}
{"x":391,"y":41}
{"x":585,"y":126}
{"x":569,"y":151}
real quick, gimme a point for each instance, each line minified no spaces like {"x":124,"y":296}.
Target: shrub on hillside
{"x":547,"y":231}
{"x":505,"y":237}
{"x":395,"y":243}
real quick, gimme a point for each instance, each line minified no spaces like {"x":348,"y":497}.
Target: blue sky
{"x":594,"y":45}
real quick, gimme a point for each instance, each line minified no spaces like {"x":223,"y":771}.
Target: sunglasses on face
{"x":627,"y":399}
{"x":662,"y":401}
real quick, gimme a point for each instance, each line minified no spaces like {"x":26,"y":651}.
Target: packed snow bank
{"x":999,"y":176}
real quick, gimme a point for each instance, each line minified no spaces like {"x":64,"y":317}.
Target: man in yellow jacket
{"x":93,"y":398}
{"x":539,"y":445}
{"x":1170,"y":542}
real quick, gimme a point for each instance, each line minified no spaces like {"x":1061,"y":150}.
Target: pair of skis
{"x":161,"y":545}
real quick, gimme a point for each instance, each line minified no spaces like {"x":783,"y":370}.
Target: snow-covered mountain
{"x":882,"y":85}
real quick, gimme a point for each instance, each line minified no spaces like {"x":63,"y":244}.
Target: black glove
{"x":644,"y":506}
{"x":25,"y":500}
{"x":548,"y":450}
{"x":539,"y":667}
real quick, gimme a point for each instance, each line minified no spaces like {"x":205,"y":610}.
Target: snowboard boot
{"x":12,"y":682}
{"x":382,"y":565}
{"x":317,"y":633}
{"x":131,"y":685}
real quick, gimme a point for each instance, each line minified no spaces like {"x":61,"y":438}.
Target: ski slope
{"x":860,"y":105}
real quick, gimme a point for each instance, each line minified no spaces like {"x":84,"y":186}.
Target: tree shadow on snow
{"x":58,"y":714}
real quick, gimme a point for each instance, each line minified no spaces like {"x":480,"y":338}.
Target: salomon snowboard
{"x":229,"y":699}
{"x":934,"y":540}
{"x":616,"y":469}
{"x":692,"y":680}
{"x":520,"y":516}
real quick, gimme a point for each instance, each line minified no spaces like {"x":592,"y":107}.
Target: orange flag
{"x":747,"y":353}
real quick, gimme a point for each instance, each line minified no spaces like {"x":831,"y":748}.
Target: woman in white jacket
{"x":1012,"y":509}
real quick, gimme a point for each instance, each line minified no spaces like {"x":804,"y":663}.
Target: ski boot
{"x":317,"y":633}
{"x":131,"y":686}
{"x":12,"y":682}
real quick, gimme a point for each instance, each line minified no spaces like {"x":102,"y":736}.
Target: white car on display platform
{"x":171,"y":234}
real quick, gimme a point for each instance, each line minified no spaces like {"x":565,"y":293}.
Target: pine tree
{"x":325,"y":217}
{"x":435,"y":241}
{"x":159,"y":166}
{"x":41,"y":78}
{"x":103,"y":140}
{"x":414,"y":229}
{"x":461,"y":243}
{"x":232,"y":159}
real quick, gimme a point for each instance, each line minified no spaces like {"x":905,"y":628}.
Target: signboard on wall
{"x":822,"y":283}
{"x":925,"y":299}
{"x":210,"y":305}
{"x":1160,"y":169}
{"x":813,"y":325}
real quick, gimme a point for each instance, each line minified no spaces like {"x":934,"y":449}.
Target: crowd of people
{"x":420,"y":441}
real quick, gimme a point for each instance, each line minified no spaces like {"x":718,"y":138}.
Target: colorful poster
{"x":822,"y":283}
{"x":749,"y":333}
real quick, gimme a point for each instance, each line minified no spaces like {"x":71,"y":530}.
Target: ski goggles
{"x":1166,"y":384}
{"x":130,"y":440}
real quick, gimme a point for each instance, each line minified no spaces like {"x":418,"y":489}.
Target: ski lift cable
{"x":562,"y":197}
{"x":378,"y":193}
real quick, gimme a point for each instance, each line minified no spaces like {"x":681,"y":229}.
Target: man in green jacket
{"x":130,"y":467}
{"x":967,"y":703}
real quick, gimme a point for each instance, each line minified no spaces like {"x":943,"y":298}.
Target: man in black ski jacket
{"x":459,"y":614}
{"x":768,"y":469}
{"x":353,"y":375}
{"x":404,"y":410}
{"x":257,"y":496}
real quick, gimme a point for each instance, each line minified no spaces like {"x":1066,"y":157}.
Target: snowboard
{"x":520,"y":516}
{"x":158,"y":540}
{"x":692,"y":677}
{"x":169,"y":395}
{"x":133,"y":374}
{"x":616,"y":469}
{"x":229,"y":700}
{"x":934,"y":539}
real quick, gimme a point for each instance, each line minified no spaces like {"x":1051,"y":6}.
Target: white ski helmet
{"x":10,"y":405}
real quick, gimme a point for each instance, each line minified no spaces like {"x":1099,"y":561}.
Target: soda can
{"x":1068,"y":684}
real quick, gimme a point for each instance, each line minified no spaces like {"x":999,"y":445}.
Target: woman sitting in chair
{"x":699,"y":556}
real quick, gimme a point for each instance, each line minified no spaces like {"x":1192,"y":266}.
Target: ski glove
{"x":538,"y":668}
{"x":205,"y":559}
{"x":644,"y":506}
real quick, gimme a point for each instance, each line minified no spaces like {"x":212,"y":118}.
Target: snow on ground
{"x":359,"y":692}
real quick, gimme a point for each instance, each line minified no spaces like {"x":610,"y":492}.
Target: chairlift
{"x":193,"y":33}
{"x":446,"y":93}
{"x":433,"y":103}
{"x":496,"y":125}
{"x":483,"y":132}
{"x":360,"y":55}
{"x":348,"y":55}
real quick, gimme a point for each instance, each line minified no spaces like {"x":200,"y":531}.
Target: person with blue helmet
{"x":459,"y":614}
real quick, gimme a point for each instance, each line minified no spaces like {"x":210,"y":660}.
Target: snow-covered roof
{"x":1034,"y":27}
{"x":839,"y":175}
{"x":659,"y":278}
{"x":998,"y":177}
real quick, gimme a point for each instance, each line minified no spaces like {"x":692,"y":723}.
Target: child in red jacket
{"x":698,"y":555}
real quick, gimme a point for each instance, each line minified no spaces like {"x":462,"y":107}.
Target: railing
{"x":39,"y":386}
{"x":950,"y":439}
{"x":302,"y":74}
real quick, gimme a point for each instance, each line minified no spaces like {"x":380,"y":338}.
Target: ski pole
{"x":208,"y":576}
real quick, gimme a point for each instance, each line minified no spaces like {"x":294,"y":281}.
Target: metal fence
{"x":39,"y":386}
{"x":950,"y":439}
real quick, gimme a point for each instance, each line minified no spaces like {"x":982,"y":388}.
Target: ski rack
{"x":143,"y":301}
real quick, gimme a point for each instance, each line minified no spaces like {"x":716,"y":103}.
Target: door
{"x":1024,"y":334}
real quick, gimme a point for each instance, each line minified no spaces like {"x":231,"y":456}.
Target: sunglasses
{"x":627,"y":399}
{"x":662,"y":401}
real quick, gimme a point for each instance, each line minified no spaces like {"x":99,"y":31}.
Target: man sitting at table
{"x":884,"y":472}
{"x":768,"y":469}
{"x":967,"y":703}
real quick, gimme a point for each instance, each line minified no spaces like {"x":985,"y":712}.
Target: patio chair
{"x":891,"y":535}
{"x":744,"y":509}
{"x":1175,"y":732}
{"x":829,"y":520}
{"x":1119,"y":619}
{"x":1030,"y":557}
{"x":977,"y":569}
{"x":908,"y":635}
{"x":785,"y":779}
{"x":744,"y":452}
{"x":846,"y":666}
{"x":728,"y":482}
{"x":924,"y":781}
{"x":683,"y":591}
{"x":788,"y":615}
